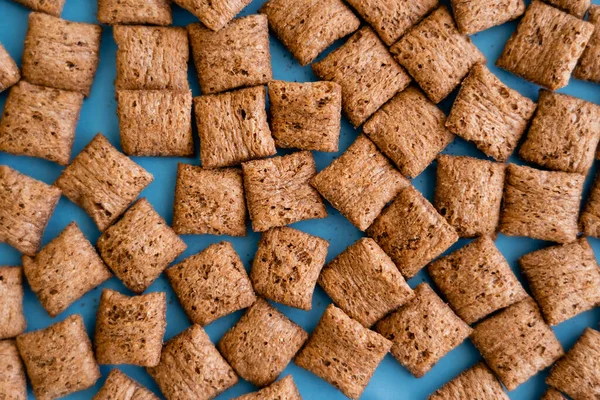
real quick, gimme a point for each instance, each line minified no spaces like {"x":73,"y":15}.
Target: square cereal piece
{"x":40,"y":122}
{"x":151,"y":58}
{"x":472,"y":17}
{"x":468,"y":193}
{"x":140,"y":246}
{"x":212,"y":284}
{"x":287,"y":265}
{"x":26,"y":206}
{"x":366,"y":71}
{"x":577,"y":8}
{"x":343,"y":352}
{"x":306,"y":115}
{"x":365,"y":283}
{"x":577,"y":374}
{"x":564,"y":280}
{"x":155,"y":122}
{"x":541,"y":204}
{"x":262,"y":344}
{"x":13,"y":384}
{"x":278,"y":191}
{"x":423,"y":331}
{"x":546,"y":45}
{"x":233,"y":127}
{"x":59,"y":359}
{"x":553,"y":394}
{"x":360,"y":182}
{"x":61,"y":54}
{"x":214,"y":14}
{"x":12,"y":318}
{"x":410,"y":130}
{"x":119,"y":386}
{"x":103,"y":181}
{"x":191,"y":368}
{"x":489,"y":114}
{"x":590,"y":216}
{"x":412,"y":232}
{"x":477,"y":382}
{"x":236,"y":56}
{"x":283,"y":389}
{"x":51,"y":7}
{"x":476,"y":280}
{"x":308,"y":27}
{"x":436,"y":55}
{"x":130,"y":330}
{"x":516,"y":343}
{"x":563,"y":134}
{"x":588,"y":66}
{"x":122,"y":12}
{"x":9,"y":72}
{"x":209,"y":201}
{"x":64,"y":270}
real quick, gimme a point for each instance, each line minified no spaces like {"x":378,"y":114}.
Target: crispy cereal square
{"x":12,"y":318}
{"x":287,"y":265}
{"x":283,"y":389}
{"x":577,"y":8}
{"x":13,"y":383}
{"x":476,"y":16}
{"x":588,"y":66}
{"x":590,"y":216}
{"x":477,"y":382}
{"x":123,"y":12}
{"x":9,"y":72}
{"x":214,"y":14}
{"x":553,"y":394}
{"x":119,"y":386}
{"x":51,"y":7}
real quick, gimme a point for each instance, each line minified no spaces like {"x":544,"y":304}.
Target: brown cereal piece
{"x":51,"y":7}
{"x":191,"y":368}
{"x":489,"y":114}
{"x":103,"y":181}
{"x":553,"y":394}
{"x":564,"y":280}
{"x":541,"y":204}
{"x":577,"y":8}
{"x":360,"y":182}
{"x":588,"y":66}
{"x":546,"y":45}
{"x":306,"y":115}
{"x":472,"y":17}
{"x":477,"y":382}
{"x":64,"y":270}
{"x":308,"y":27}
{"x":26,"y":206}
{"x":12,"y":318}
{"x":262,"y":344}
{"x":123,"y":12}
{"x":476,"y":280}
{"x":412,"y":232}
{"x":9,"y":72}
{"x":13,"y":384}
{"x":365,"y":283}
{"x":151,"y":58}
{"x":516,"y":343}
{"x":59,"y":359}
{"x":214,"y":14}
{"x":236,"y":56}
{"x":233,"y":127}
{"x":212,"y":284}
{"x":278,"y":191}
{"x":119,"y":386}
{"x":61,"y":54}
{"x":40,"y":122}
{"x":209,"y":201}
{"x":343,"y":352}
{"x":140,"y":246}
{"x":283,"y":389}
{"x":366,"y":71}
{"x":287,"y":265}
{"x":410,"y":130}
{"x":590,"y":217}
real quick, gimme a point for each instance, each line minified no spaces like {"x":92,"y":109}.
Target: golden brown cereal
{"x":472,"y":17}
{"x":52,"y":7}
{"x":588,"y":66}
{"x":151,"y":12}
{"x":283,"y":389}
{"x":12,"y":318}
{"x":577,"y":8}
{"x":214,"y":14}
{"x":13,"y":383}
{"x":477,"y":382}
{"x":119,"y":386}
{"x":590,"y":217}
{"x":9,"y":72}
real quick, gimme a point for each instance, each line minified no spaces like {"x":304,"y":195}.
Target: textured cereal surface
{"x":472,"y":17}
{"x":477,"y":382}
{"x":553,"y":394}
{"x":51,"y":7}
{"x":214,"y":14}
{"x":588,"y":66}
{"x":590,"y":216}
{"x":577,"y":8}
{"x":13,"y":383}
{"x":9,"y":71}
{"x":124,"y":12}
{"x":283,"y":389}
{"x":12,"y":318}
{"x":119,"y":386}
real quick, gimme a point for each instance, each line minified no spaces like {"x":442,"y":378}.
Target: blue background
{"x":391,"y":381}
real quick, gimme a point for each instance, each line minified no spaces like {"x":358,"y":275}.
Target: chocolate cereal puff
{"x":140,"y":246}
{"x":541,"y":204}
{"x":588,"y":66}
{"x":283,"y":389}
{"x":124,"y":12}
{"x":59,"y":359}
{"x":516,"y":343}
{"x":64,"y":270}
{"x":553,"y":394}
{"x":191,"y":368}
{"x":590,"y":216}
{"x":306,"y":115}
{"x":212,"y":284}
{"x":343,"y":352}
{"x":278,"y":191}
{"x":360,"y":182}
{"x":308,"y":27}
{"x":61,"y":54}
{"x":9,"y":72}
{"x":51,"y":7}
{"x":130,"y":330}
{"x":410,"y":130}
{"x":40,"y":122}
{"x":151,"y":58}
{"x":423,"y":331}
{"x":236,"y":56}
{"x":287,"y":265}
{"x":26,"y":206}
{"x":103,"y":181}
{"x":119,"y":386}
{"x":577,"y":8}
{"x":155,"y":122}
{"x":436,"y":55}
{"x":546,"y":45}
{"x":477,"y":382}
{"x":13,"y":384}
{"x":472,"y":17}
{"x":214,"y":14}
{"x":262,"y":344}
{"x":366,"y":71}
{"x":209,"y":201}
{"x":233,"y":127}
{"x":489,"y":114}
{"x":12,"y":318}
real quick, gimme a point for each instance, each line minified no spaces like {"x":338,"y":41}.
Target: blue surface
{"x":391,"y":381}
